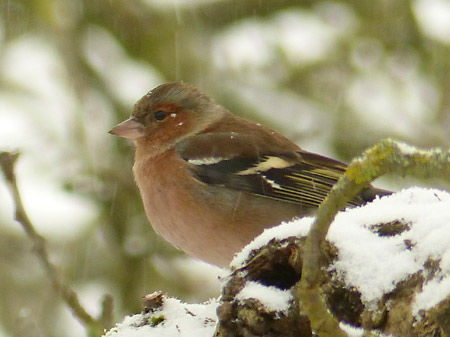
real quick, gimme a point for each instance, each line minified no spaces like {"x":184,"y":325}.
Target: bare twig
{"x":387,"y":156}
{"x":107,"y":315}
{"x":93,"y":326}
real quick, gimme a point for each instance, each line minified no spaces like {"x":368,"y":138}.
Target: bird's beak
{"x":130,"y":129}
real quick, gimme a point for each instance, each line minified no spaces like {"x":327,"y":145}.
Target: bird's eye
{"x":160,"y":115}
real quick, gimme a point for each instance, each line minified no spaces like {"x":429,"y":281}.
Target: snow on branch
{"x":386,"y":270}
{"x":388,"y":156}
{"x":382,"y":269}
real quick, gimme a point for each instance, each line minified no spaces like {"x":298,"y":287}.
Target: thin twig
{"x":8,"y":161}
{"x":385,"y":157}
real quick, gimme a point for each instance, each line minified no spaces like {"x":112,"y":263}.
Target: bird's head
{"x":169,"y":113}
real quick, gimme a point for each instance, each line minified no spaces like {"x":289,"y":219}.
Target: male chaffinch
{"x":210,"y":181}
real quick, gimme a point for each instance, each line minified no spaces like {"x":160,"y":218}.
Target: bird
{"x":210,"y":181}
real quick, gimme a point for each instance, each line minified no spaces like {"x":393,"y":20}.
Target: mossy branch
{"x":388,"y":156}
{"x":93,"y":326}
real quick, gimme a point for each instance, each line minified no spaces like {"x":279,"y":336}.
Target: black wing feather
{"x":233,"y":160}
{"x":302,"y":183}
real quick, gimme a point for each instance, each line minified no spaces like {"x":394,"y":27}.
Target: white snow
{"x":285,"y":230}
{"x":352,"y":331}
{"x":433,"y":292}
{"x":176,"y":319}
{"x":271,"y":297}
{"x":376,"y":264}
{"x":373,"y":264}
{"x":407,"y":149}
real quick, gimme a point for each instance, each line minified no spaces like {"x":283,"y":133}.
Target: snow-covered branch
{"x":387,"y":272}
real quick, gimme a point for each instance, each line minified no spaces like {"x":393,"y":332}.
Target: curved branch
{"x":385,"y":157}
{"x":93,"y":326}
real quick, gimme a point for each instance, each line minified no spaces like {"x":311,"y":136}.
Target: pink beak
{"x":130,"y":129}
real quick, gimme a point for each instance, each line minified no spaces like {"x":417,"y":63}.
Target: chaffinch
{"x":210,"y":181}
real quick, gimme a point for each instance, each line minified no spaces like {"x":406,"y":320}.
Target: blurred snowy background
{"x":334,"y":76}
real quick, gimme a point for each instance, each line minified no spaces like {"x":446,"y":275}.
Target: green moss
{"x":155,"y":320}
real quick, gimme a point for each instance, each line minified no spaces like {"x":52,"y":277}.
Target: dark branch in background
{"x":388,"y":156}
{"x":93,"y":326}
